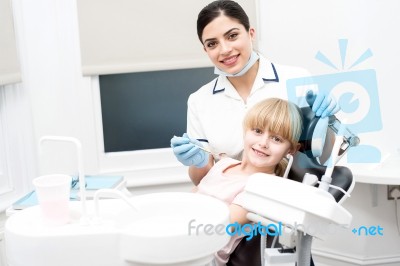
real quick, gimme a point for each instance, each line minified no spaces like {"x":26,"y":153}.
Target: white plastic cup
{"x":53,"y":192}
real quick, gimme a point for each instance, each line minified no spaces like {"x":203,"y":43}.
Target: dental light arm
{"x":343,"y":140}
{"x":327,"y":177}
{"x":289,"y":165}
{"x":349,"y":139}
{"x":304,"y":241}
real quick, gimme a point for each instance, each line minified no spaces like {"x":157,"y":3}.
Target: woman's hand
{"x":186,"y":150}
{"x":322,"y":104}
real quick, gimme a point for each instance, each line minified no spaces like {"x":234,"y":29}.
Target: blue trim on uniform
{"x":202,"y":140}
{"x":215,"y":85}
{"x":276,"y":79}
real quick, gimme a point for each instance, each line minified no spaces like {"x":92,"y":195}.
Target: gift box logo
{"x":357,"y":96}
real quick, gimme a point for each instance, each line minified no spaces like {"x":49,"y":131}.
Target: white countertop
{"x":386,"y":173}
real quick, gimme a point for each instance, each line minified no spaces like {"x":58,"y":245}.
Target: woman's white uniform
{"x":216,"y":111}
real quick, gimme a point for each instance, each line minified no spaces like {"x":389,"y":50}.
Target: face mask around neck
{"x":252,"y":60}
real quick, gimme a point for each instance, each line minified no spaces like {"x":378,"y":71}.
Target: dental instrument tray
{"x":293,"y":203}
{"x":93,"y":183}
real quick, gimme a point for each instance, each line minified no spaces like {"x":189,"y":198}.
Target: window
{"x":16,"y":151}
{"x":144,"y":110}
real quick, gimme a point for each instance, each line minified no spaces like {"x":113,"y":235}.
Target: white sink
{"x":156,"y":234}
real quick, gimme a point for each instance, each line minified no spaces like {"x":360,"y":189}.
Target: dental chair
{"x":306,"y":161}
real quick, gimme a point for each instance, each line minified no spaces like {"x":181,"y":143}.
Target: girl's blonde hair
{"x":277,"y":116}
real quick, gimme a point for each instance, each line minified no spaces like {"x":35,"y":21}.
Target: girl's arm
{"x":197,"y":174}
{"x":238,"y":214}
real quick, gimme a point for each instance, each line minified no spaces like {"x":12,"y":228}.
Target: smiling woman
{"x":226,"y":43}
{"x":128,"y":40}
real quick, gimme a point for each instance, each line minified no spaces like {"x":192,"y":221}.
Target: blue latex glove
{"x":323,"y":105}
{"x":187,"y":152}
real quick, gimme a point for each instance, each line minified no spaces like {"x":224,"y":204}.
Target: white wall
{"x":292,"y":32}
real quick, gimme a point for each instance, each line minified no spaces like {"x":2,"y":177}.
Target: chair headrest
{"x":314,"y":133}
{"x":312,"y":142}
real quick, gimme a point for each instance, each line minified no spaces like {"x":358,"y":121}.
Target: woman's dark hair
{"x":221,"y":7}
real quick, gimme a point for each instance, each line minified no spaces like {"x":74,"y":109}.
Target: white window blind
{"x":9,"y":65}
{"x":120,"y":36}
